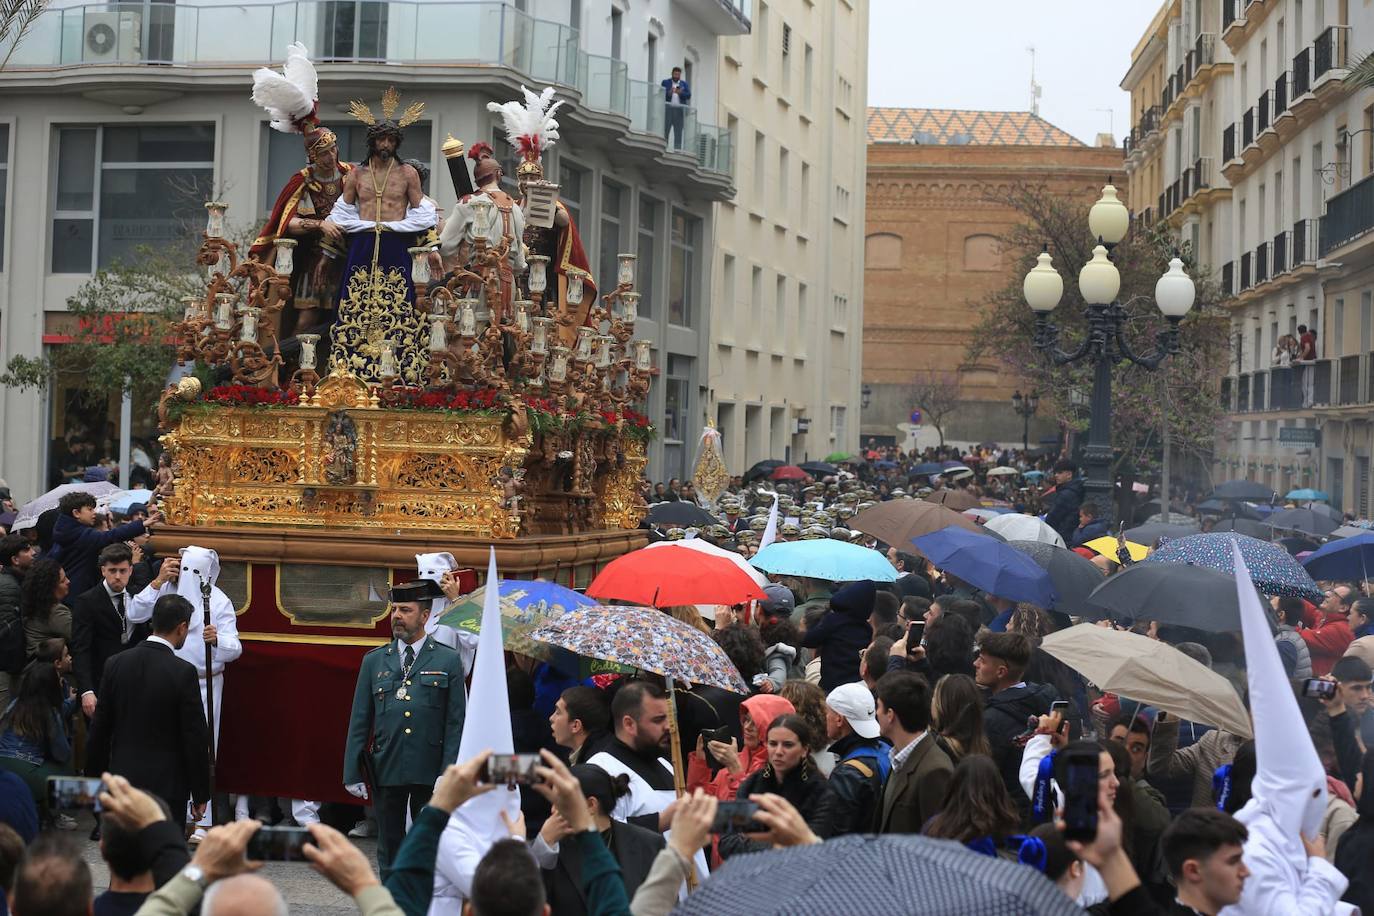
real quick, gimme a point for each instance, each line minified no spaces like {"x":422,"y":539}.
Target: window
{"x":614,"y":200}
{"x":784,"y":173}
{"x":571,"y":181}
{"x":677,"y":404}
{"x":727,"y":282}
{"x":982,"y":252}
{"x":575,"y":14}
{"x":805,"y":193}
{"x":756,"y":290}
{"x":353,"y":30}
{"x":808,"y":65}
{"x":760,"y":151}
{"x":786,"y":57}
{"x":883,"y":251}
{"x":1366,"y":320}
{"x":761,"y":41}
{"x":780,"y":298}
{"x":650,"y":231}
{"x":841,"y":203}
{"x":651,"y":60}
{"x":801,"y":308}
{"x":684,"y":240}
{"x":615,"y":33}
{"x":286,"y":153}
{"x":4,"y":183}
{"x":844,"y":95}
{"x":839,"y":309}
{"x":119,"y":188}
{"x":838,"y":420}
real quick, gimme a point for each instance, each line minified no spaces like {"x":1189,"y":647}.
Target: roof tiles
{"x":956,"y":127}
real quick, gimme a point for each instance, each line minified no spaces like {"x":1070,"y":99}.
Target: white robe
{"x":644,"y":799}
{"x":1283,"y":880}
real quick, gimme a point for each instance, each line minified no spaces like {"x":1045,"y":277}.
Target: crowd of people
{"x":966,"y":733}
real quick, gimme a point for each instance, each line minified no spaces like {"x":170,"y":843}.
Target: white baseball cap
{"x":855,"y":702}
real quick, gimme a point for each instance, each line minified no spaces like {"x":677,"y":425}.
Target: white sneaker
{"x":364,"y":829}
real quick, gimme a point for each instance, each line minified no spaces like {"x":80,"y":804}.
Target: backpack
{"x":881,"y":757}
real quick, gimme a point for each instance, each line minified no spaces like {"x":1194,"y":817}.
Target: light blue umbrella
{"x":824,"y":558}
{"x":1033,"y":475}
{"x":1306,"y":495}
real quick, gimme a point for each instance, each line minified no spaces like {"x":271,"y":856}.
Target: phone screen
{"x":1080,"y":797}
{"x":914,"y":634}
{"x":512,"y":769}
{"x":1318,"y":688}
{"x":278,"y":844}
{"x":73,"y":793}
{"x":737,"y":817}
{"x":1061,"y":707}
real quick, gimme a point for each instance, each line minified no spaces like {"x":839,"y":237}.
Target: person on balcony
{"x":1307,"y":358}
{"x":676,"y":95}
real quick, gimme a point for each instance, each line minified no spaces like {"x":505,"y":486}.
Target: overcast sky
{"x":972,"y":54}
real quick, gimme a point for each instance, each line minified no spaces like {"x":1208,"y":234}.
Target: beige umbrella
{"x":1150,"y":672}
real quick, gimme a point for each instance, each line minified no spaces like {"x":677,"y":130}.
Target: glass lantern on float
{"x":625,"y":272}
{"x":558,"y":365}
{"x":283,"y":261}
{"x":574,"y":289}
{"x":419,"y":265}
{"x":629,"y":309}
{"x":224,"y":311}
{"x":643,"y":356}
{"x":539,"y":340}
{"x":523,"y":307}
{"x":248,"y":330}
{"x":603,"y":350}
{"x":214,"y":218}
{"x":467,"y":317}
{"x":308,"y":343}
{"x":438,"y":334}
{"x":539,"y":277}
{"x":586,"y":338}
{"x":387,"y":363}
{"x":191,"y":308}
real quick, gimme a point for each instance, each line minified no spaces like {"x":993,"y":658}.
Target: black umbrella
{"x":1296,"y":545}
{"x":1074,"y":577}
{"x":1304,"y":520}
{"x":1174,"y":593}
{"x":895,"y":873}
{"x":681,"y":514}
{"x":819,"y":468}
{"x":763,"y":469}
{"x":1245,"y":526}
{"x":1150,"y":532}
{"x":1243,"y":489}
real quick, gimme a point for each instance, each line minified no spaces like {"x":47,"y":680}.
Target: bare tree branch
{"x":937,"y":394}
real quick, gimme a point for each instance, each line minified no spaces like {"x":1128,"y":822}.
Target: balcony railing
{"x":1305,"y":238}
{"x":487,"y":33}
{"x":1321,"y":387}
{"x":1245,"y":274}
{"x":1329,"y":51}
{"x":1259,"y":394}
{"x":1285,"y":388}
{"x":1228,"y":143}
{"x":1301,"y":74}
{"x":1261,"y":263}
{"x":1278,"y":252}
{"x":1228,"y":278}
{"x":1149,"y":121}
{"x":1243,"y":393}
{"x":1349,"y":380}
{"x":1280,"y":95}
{"x":1247,"y":129}
{"x":1349,"y":215}
{"x":1262,"y":112}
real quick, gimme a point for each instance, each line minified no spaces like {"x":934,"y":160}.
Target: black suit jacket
{"x":96,"y":635}
{"x":634,"y":848}
{"x":150,"y":726}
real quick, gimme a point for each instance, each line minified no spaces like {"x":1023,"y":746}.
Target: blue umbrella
{"x":951,"y":464}
{"x":1306,"y":495}
{"x":827,"y":559}
{"x":926,"y":469}
{"x":1272,"y":569}
{"x":996,"y":568}
{"x":1033,"y":475}
{"x":885,"y":465}
{"x":1348,"y":558}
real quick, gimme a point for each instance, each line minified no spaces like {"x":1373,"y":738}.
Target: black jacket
{"x":97,"y":635}
{"x":804,"y":787}
{"x":854,"y":795}
{"x":1354,"y":852}
{"x":1090,"y":532}
{"x":842,"y":634}
{"x":76,"y":547}
{"x":1063,"y":514}
{"x":1005,"y":718}
{"x":13,"y":650}
{"x":149,"y":726}
{"x":634,"y":849}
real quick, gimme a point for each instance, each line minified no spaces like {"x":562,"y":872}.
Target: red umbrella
{"x":789,"y":472}
{"x":672,"y":575}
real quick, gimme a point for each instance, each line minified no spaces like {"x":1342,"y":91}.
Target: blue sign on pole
{"x":916,"y":417}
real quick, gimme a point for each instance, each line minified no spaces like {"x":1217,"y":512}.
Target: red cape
{"x":284,"y":210}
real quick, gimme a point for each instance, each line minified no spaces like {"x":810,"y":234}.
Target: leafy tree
{"x":1185,"y":384}
{"x":936,"y":394}
{"x":16,"y":18}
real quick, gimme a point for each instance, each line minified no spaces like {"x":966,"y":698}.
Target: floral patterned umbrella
{"x":524,"y":606}
{"x":1272,"y":569}
{"x":643,"y":638}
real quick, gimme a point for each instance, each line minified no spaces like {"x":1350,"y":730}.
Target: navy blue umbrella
{"x":1348,"y":558}
{"x":926,"y":469}
{"x":995,"y":567}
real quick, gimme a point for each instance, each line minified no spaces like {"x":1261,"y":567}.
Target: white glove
{"x":357,"y":790}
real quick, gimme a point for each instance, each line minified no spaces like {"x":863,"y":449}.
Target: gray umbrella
{"x":1304,"y":520}
{"x":894,"y":873}
{"x":1150,"y":532}
{"x":1074,"y":577}
{"x":1172,"y":593}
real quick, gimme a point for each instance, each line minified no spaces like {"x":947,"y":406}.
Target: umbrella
{"x":1322,"y":509}
{"x":1106,"y":546}
{"x":1272,"y":569}
{"x":1175,"y":593}
{"x":884,"y":465}
{"x":1151,"y":532}
{"x":680,"y":514}
{"x":1348,"y":558}
{"x":951,"y":464}
{"x":1306,"y":495}
{"x":895,"y":873}
{"x":28,"y":513}
{"x":1151,"y":672}
{"x":524,"y":606}
{"x":710,"y":549}
{"x":788,"y":472}
{"x":1221,"y":507}
{"x":897,"y":521}
{"x":1073,"y":577}
{"x":824,"y":558}
{"x":124,"y":500}
{"x":1243,"y":489}
{"x":1304,"y":520}
{"x":1015,"y":526}
{"x":984,"y":513}
{"x":819,"y":468}
{"x":7,"y":519}
{"x":1003,"y":471}
{"x":1299,"y":547}
{"x":762,"y":469}
{"x":672,"y":575}
{"x":992,"y":566}
{"x":1033,"y":475}
{"x":1349,"y":531}
{"x":1246,"y":526}
{"x":643,"y":638}
{"x":955,"y":499}
{"x":836,"y":457}
{"x":926,"y":470}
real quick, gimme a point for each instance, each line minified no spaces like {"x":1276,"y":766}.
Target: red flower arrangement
{"x":419,"y":399}
{"x":251,"y":396}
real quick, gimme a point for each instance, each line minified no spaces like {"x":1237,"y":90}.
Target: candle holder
{"x":574,"y":289}
{"x":585,"y":340}
{"x":643,"y":358}
{"x":419,"y":265}
{"x":539,"y":342}
{"x":224,"y":311}
{"x":603,"y":350}
{"x":523,"y":307}
{"x":308,"y":344}
{"x":467,"y":317}
{"x":214,"y":220}
{"x":629,"y":307}
{"x":387,"y":367}
{"x":558,"y":366}
{"x":248,"y":329}
{"x":625,"y":273}
{"x":192,"y":309}
{"x":539,"y":278}
{"x":284,"y":260}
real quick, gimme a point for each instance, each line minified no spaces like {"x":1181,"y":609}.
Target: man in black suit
{"x":149,"y":724}
{"x":100,"y":625}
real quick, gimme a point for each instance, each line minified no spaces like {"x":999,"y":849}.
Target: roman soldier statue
{"x":306,"y":201}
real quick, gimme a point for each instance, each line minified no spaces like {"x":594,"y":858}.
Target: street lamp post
{"x":1025,"y":407}
{"x":1105,"y":342}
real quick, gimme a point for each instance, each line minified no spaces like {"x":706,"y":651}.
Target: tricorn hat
{"x":418,"y":591}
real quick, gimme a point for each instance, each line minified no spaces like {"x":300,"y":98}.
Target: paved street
{"x":307,"y":893}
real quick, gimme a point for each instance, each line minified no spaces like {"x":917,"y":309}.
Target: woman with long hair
{"x":33,"y":742}
{"x":40,"y":604}
{"x":978,"y":810}
{"x":736,"y":762}
{"x":788,"y":772}
{"x":742,"y":646}
{"x":956,"y":715}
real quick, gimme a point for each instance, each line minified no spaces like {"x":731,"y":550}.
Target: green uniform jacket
{"x":415,"y":738}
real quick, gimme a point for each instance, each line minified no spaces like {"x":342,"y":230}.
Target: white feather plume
{"x":287,"y":98}
{"x":532,"y":118}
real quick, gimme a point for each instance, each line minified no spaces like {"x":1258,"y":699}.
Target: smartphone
{"x":278,"y":844}
{"x":737,"y":817}
{"x":708,"y":735}
{"x":915,"y":632}
{"x":1080,"y":796}
{"x":1061,"y":707}
{"x":1318,"y":688}
{"x":74,"y":793}
{"x":512,"y":770}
